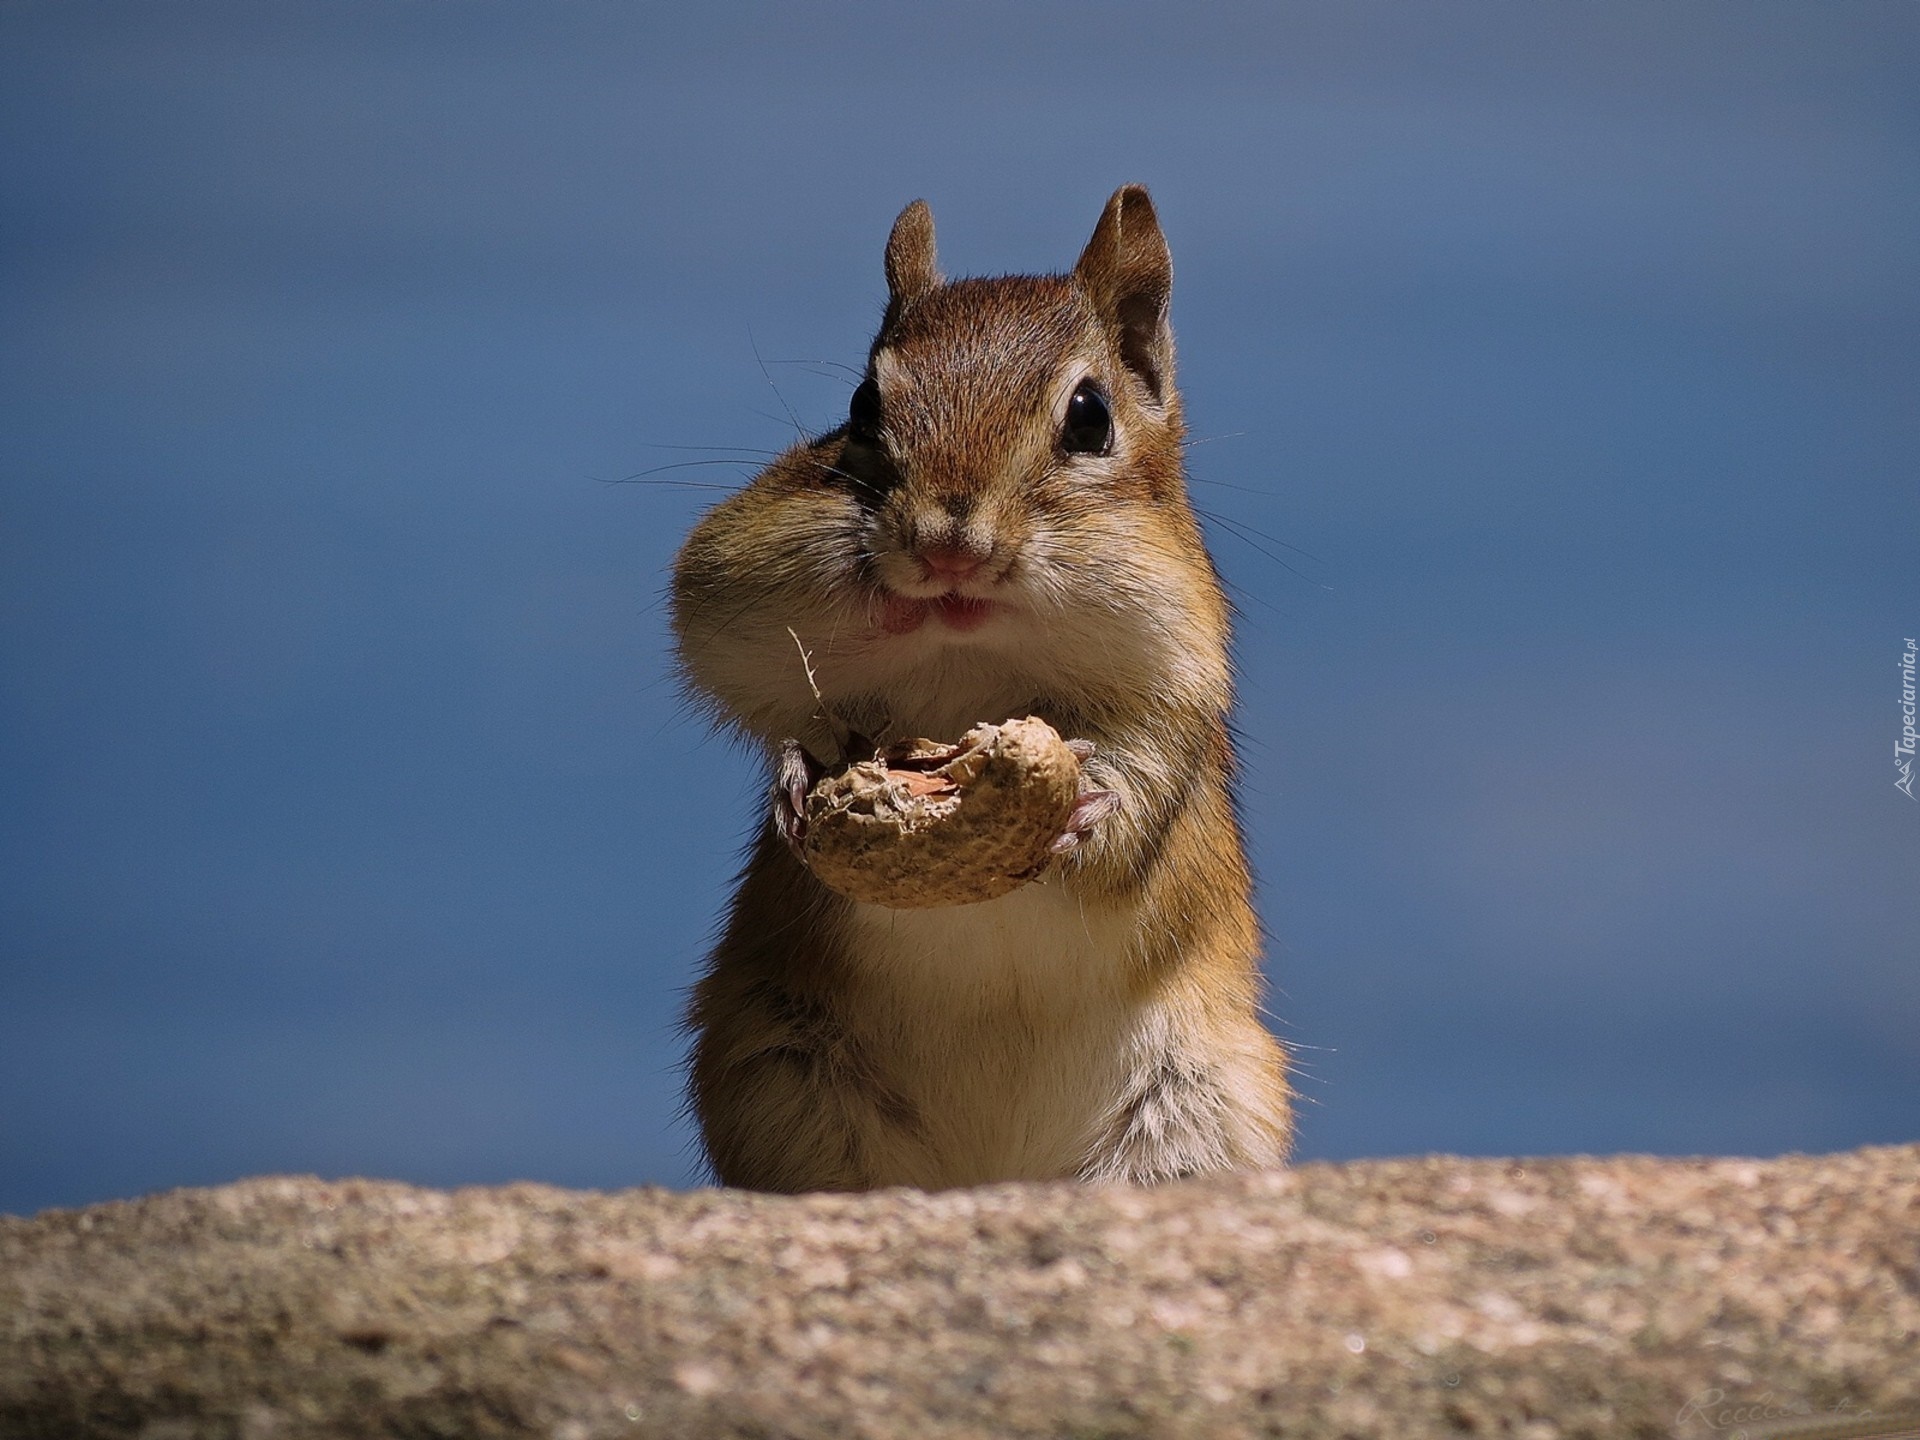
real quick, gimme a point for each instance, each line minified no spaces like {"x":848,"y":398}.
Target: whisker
{"x":1228,"y":485}
{"x":1270,"y":539}
{"x":1247,"y":535}
{"x":669,"y":484}
{"x":712,"y":449}
{"x":866,"y":486}
{"x":858,"y":375}
{"x":1236,"y":593}
{"x":799,"y":430}
{"x":754,"y":345}
{"x":680,"y":465}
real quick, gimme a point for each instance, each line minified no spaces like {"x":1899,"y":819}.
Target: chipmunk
{"x":999,"y":528}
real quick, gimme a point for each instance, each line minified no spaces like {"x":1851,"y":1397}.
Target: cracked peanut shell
{"x":925,"y":824}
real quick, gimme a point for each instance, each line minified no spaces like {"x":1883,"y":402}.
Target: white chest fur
{"x":1010,"y":1026}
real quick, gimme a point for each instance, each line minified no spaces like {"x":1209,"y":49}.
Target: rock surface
{"x":1409,"y":1298}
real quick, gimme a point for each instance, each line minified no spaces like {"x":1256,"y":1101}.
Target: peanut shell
{"x":925,"y":824}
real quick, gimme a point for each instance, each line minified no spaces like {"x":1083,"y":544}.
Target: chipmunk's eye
{"x":1089,"y":427}
{"x":863,"y":413}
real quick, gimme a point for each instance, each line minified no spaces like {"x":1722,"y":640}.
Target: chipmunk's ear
{"x":1127,"y":272}
{"x":912,"y":269}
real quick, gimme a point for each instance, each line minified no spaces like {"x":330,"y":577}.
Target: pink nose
{"x":950,"y":562}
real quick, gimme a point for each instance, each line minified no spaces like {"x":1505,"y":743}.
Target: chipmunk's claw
{"x":1092,"y":806}
{"x":794,"y":776}
{"x":1089,"y":810}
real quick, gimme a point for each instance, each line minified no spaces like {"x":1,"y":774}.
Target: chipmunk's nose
{"x":950,"y":562}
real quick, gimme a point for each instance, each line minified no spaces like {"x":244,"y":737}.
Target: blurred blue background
{"x":351,"y":822}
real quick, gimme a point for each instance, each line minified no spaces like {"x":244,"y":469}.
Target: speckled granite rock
{"x":1612,"y":1297}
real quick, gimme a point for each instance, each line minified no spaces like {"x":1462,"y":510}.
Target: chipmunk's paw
{"x":1091,"y":807}
{"x":793,"y":777}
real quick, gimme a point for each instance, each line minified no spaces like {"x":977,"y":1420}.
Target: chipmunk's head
{"x":1003,"y":513}
{"x":997,"y":417}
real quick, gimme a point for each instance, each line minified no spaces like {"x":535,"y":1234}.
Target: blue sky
{"x":1551,"y":371}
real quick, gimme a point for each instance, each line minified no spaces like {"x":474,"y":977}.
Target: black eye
{"x":1089,"y":427}
{"x":863,"y":413}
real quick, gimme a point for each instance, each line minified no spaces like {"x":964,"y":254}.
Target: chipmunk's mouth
{"x":902,"y":615}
